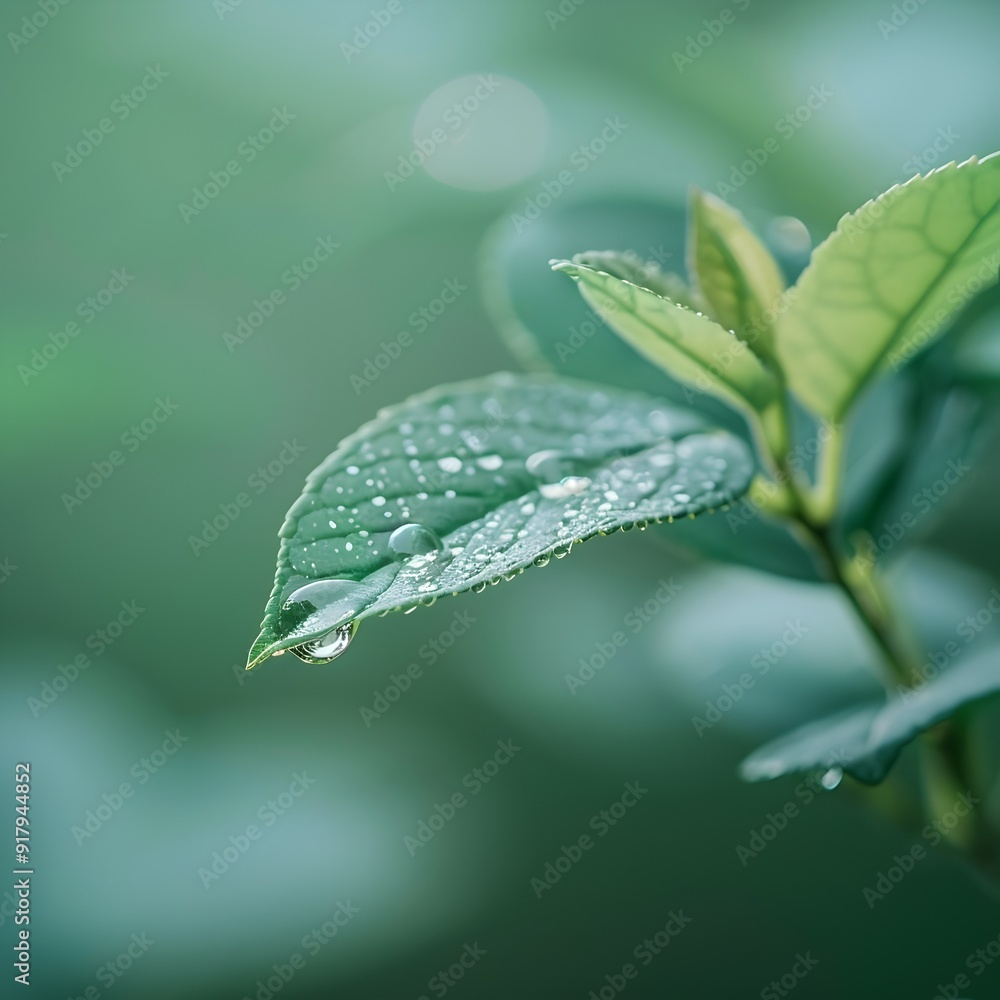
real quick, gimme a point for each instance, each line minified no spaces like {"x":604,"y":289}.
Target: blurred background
{"x":230,"y":232}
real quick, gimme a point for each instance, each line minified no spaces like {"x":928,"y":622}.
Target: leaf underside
{"x":453,"y":460}
{"x":866,"y":741}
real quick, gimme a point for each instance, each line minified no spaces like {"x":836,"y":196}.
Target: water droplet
{"x":327,"y":647}
{"x":414,"y":540}
{"x":489,"y":462}
{"x":832,"y":778}
{"x":450,"y":464}
{"x":321,"y":594}
{"x":567,"y":487}
{"x":352,"y":470}
{"x":547,"y":465}
{"x":378,"y":501}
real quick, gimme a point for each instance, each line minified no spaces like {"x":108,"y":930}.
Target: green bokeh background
{"x":178,"y":666}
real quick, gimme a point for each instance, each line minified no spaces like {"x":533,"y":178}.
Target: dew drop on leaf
{"x":414,"y":540}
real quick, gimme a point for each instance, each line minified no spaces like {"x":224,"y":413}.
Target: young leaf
{"x":689,"y":346}
{"x":866,"y":741}
{"x":735,"y":272}
{"x":631,"y":267}
{"x":887,"y":281}
{"x":494,"y":475}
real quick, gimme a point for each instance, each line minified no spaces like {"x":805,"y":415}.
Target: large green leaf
{"x":688,"y":345}
{"x":865,"y":742}
{"x":736,"y":274}
{"x":887,"y":281}
{"x":505,"y":472}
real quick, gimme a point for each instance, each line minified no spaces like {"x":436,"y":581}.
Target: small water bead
{"x":547,"y":465}
{"x":414,"y":540}
{"x":832,"y":778}
{"x":567,"y":487}
{"x":450,"y":464}
{"x":327,"y":647}
{"x":489,"y":462}
{"x":378,"y":501}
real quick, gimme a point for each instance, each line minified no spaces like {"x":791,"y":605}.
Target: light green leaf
{"x":631,"y":267}
{"x":735,"y":273}
{"x":689,"y":346}
{"x":503,"y":472}
{"x":888,"y":280}
{"x":865,"y":742}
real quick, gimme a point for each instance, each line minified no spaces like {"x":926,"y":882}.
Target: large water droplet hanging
{"x":327,"y":647}
{"x":414,"y":540}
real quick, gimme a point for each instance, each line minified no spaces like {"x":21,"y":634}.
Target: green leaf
{"x":886,"y":282}
{"x":631,"y":267}
{"x":506,"y":471}
{"x":690,"y":346}
{"x":735,"y":272}
{"x":865,"y":742}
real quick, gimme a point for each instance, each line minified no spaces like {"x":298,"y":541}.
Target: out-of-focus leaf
{"x":736,"y":274}
{"x":865,"y":742}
